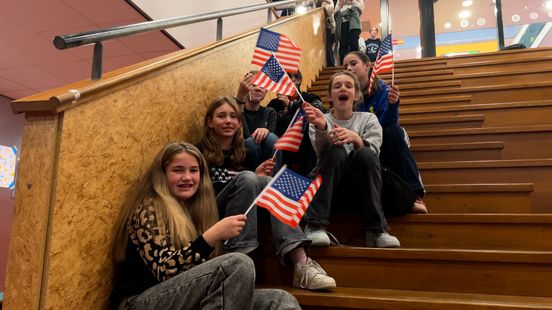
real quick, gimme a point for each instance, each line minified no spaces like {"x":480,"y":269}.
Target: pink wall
{"x":11,"y":129}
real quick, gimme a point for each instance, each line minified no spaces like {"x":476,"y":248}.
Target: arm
{"x":391,"y":114}
{"x":271,"y":120}
{"x":372,"y":134}
{"x":244,"y":87}
{"x":318,"y":129}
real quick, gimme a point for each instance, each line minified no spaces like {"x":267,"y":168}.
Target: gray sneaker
{"x":311,"y":276}
{"x":317,"y":235}
{"x":381,"y":240}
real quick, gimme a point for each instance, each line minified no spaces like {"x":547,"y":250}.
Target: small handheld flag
{"x":288,"y":196}
{"x":273,"y":77}
{"x":384,"y":59}
{"x":291,"y":139}
{"x":269,"y":43}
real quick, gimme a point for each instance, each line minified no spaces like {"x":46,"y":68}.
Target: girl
{"x":166,"y":240}
{"x":383,"y":101}
{"x":347,"y":145}
{"x":237,"y":187}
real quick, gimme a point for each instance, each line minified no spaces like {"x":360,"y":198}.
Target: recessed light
{"x":464,"y":14}
{"x":467,"y":3}
{"x":447,"y":25}
{"x":533,"y":15}
{"x":515,"y":18}
{"x":548,"y":5}
{"x":464,"y":23}
{"x":481,"y":21}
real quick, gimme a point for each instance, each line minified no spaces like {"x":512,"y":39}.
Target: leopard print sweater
{"x":156,"y":249}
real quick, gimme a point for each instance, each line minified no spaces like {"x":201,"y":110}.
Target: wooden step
{"x":536,"y":171}
{"x":457,"y":151}
{"x":483,"y":231}
{"x":434,"y":122}
{"x":458,"y":100}
{"x":479,"y":198}
{"x":324,"y":77}
{"x":523,"y":273}
{"x":519,"y":141}
{"x":343,"y":298}
{"x":486,"y":94}
{"x":496,"y":114}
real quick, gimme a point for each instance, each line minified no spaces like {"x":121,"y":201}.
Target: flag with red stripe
{"x":384,"y":59}
{"x":291,"y":139}
{"x":269,"y":43}
{"x":274,"y":78}
{"x":288,"y":196}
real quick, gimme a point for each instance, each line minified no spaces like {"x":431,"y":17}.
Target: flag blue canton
{"x":291,"y":184}
{"x":268,"y":40}
{"x":386,"y":46}
{"x":302,"y":114}
{"x":273,"y":69}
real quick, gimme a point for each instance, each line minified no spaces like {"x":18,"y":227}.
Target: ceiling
{"x":29,"y":62}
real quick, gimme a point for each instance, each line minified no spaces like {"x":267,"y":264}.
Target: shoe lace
{"x":311,"y":270}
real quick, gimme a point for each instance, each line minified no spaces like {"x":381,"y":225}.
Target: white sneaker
{"x":311,"y":276}
{"x":318,"y":236}
{"x":381,"y":240}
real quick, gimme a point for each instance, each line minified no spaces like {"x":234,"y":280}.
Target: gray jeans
{"x":236,"y":197}
{"x":224,"y":282}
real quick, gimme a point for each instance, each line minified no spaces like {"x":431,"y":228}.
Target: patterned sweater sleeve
{"x":156,"y":249}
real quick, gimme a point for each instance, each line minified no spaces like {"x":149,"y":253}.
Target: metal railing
{"x":96,"y":37}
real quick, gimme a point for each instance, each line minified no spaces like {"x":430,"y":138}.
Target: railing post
{"x":269,"y":16}
{"x":219,"y":28}
{"x":97,"y":61}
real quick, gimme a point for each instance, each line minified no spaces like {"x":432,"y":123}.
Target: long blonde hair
{"x":211,"y":146}
{"x":182,"y":222}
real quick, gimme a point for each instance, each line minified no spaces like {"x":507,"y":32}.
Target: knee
{"x":239,"y":263}
{"x":365,"y":157}
{"x":335,"y":153}
{"x":248,"y":180}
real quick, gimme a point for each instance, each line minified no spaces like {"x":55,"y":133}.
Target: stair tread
{"x":457,"y":146}
{"x":413,"y":120}
{"x":494,"y":218}
{"x":480,"y":188}
{"x":434,"y":254}
{"x":364,"y":298}
{"x":475,"y":107}
{"x":475,"y":89}
{"x":499,"y":163}
{"x":479,"y":130}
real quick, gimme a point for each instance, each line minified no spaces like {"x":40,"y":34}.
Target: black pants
{"x":348,"y":42}
{"x":396,"y":155}
{"x":357,"y":176}
{"x":330,"y":60}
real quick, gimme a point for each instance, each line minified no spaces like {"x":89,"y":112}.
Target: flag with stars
{"x":291,"y":139}
{"x":384,"y":59}
{"x":288,"y":195}
{"x":269,"y":43}
{"x":274,"y":78}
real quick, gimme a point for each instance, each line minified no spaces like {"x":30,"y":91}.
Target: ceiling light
{"x":548,"y":5}
{"x":481,"y":21}
{"x":464,"y":14}
{"x":464,"y":23}
{"x":533,"y":15}
{"x":447,"y":25}
{"x":467,"y":3}
{"x":301,"y":9}
{"x":515,"y":18}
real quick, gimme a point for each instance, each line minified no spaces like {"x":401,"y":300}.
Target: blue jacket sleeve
{"x":388,"y":114}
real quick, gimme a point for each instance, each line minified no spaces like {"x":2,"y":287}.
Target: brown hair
{"x":365,"y":60}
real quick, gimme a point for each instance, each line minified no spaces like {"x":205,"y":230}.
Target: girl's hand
{"x":314,"y":116}
{"x":284,"y":99}
{"x":340,"y":136}
{"x":228,"y":227}
{"x":394,"y":94}
{"x":266,"y":168}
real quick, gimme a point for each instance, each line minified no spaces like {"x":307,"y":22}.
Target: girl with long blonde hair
{"x":167,"y":236}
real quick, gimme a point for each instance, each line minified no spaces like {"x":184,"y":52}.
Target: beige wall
{"x":90,"y":156}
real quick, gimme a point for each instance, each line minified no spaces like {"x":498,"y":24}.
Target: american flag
{"x":384,"y":59}
{"x":274,"y":78}
{"x":270,"y":42}
{"x":291,"y":139}
{"x":288,"y":195}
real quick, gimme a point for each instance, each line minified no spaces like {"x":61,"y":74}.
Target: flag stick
{"x":393,"y":76}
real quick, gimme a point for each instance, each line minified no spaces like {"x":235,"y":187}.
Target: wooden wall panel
{"x":29,"y":228}
{"x":107,"y":142}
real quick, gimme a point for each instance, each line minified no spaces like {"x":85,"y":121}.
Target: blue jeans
{"x":236,"y":198}
{"x":224,"y":282}
{"x":264,"y":150}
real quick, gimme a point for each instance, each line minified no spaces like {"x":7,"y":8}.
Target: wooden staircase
{"x":480,"y":130}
